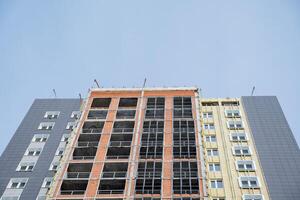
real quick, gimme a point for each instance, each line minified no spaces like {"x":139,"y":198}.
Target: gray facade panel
{"x":277,"y":148}
{"x":16,"y":148}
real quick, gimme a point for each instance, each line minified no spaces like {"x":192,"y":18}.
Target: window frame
{"x":51,"y":114}
{"x":248,"y":179}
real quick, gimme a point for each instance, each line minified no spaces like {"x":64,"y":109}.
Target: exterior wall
{"x":100,"y":159}
{"x":277,"y":149}
{"x":228,"y":172}
{"x":16,"y":148}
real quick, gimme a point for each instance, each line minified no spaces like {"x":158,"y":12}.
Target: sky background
{"x":223,"y":47}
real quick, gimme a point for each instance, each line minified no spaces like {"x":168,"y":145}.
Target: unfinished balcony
{"x":114,"y":171}
{"x":123,"y":127}
{"x":101,"y":103}
{"x":73,"y":187}
{"x":120,"y":140}
{"x":79,"y":171}
{"x":112,"y":186}
{"x":88,"y":140}
{"x":92,"y":127}
{"x":125,"y":114}
{"x":84,"y":153}
{"x":118,"y":153}
{"x":126,"y":103}
{"x":97,"y":114}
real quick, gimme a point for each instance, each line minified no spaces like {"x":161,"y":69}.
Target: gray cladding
{"x":277,"y":148}
{"x":17,"y":146}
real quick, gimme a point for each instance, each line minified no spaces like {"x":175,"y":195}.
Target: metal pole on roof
{"x":95,"y":80}
{"x":253,"y":89}
{"x":145,"y":80}
{"x":54,"y":92}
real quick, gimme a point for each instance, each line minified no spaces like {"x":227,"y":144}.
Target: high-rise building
{"x":151,"y":144}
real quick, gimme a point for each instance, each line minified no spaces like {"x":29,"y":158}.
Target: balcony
{"x":73,"y":187}
{"x":79,"y":171}
{"x":120,"y":140}
{"x":114,"y":171}
{"x":97,"y":114}
{"x":118,"y":153}
{"x":111,"y":186}
{"x":125,"y":114}
{"x":88,"y":140}
{"x":92,"y":127}
{"x":123,"y":127}
{"x":101,"y":103}
{"x":84,"y":153}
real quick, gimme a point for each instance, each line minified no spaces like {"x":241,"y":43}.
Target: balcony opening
{"x":123,"y":127}
{"x":120,"y":140}
{"x":84,"y":153}
{"x":88,"y":140}
{"x":101,"y":102}
{"x":97,"y":114}
{"x":73,"y":187}
{"x":125,"y":114}
{"x":210,"y":103}
{"x":128,"y":102}
{"x":79,"y":170}
{"x":118,"y":153}
{"x":92,"y":127}
{"x":230,"y":103}
{"x":111,"y":186}
{"x":114,"y":170}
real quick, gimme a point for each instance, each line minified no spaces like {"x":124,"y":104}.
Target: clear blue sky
{"x":224,"y":47}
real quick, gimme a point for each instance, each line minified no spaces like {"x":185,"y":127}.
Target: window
{"x":40,"y":138}
{"x":102,"y":103}
{"x":46,"y":126}
{"x":47,"y":182}
{"x":65,"y":137}
{"x":54,"y":166}
{"x":128,"y":102}
{"x":75,"y":114}
{"x":25,"y":166}
{"x":214,"y":167}
{"x":71,"y":125}
{"x":241,"y":151}
{"x":216,"y":184}
{"x":33,"y":152}
{"x":207,"y":115}
{"x":183,"y":107}
{"x":230,"y":103}
{"x":212,"y":152}
{"x":252,"y":197}
{"x":247,"y":182}
{"x":210,"y":138}
{"x":218,"y":198}
{"x":238,"y":137}
{"x":155,"y":108}
{"x":51,"y":115}
{"x":232,"y":113}
{"x":245,"y":165}
{"x":235,"y":125}
{"x":17,"y":183}
{"x":59,"y":152}
{"x":209,"y":126}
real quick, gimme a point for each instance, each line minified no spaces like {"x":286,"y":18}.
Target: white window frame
{"x":253,"y":197}
{"x":208,"y":138}
{"x":238,"y":135}
{"x":47,"y":180}
{"x":71,"y":125}
{"x":209,"y":126}
{"x":207,"y":115}
{"x":249,"y":179}
{"x":35,"y":150}
{"x":244,"y":163}
{"x":51,"y":115}
{"x":52,"y":166}
{"x":75,"y":114}
{"x":231,"y":113}
{"x":215,"y":183}
{"x":19,"y":182}
{"x":211,"y":150}
{"x":235,"y":123}
{"x":241,"y":148}
{"x":41,"y":137}
{"x":48,"y":125}
{"x":218,"y":198}
{"x":27,"y":165}
{"x":214,"y":167}
{"x":65,"y":138}
{"x":61,"y":149}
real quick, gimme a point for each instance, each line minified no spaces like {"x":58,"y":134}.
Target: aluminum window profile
{"x":249,"y":182}
{"x":245,"y":165}
{"x":235,"y":125}
{"x":40,"y":138}
{"x":232,"y":113}
{"x":51,"y":115}
{"x":33,"y":151}
{"x":26,"y":166}
{"x":241,"y":151}
{"x":252,"y":197}
{"x":216,"y":184}
{"x":207,"y":115}
{"x":75,"y":115}
{"x":47,"y":182}
{"x":17,"y":183}
{"x":71,"y":125}
{"x":182,"y":107}
{"x":46,"y":125}
{"x":238,"y":137}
